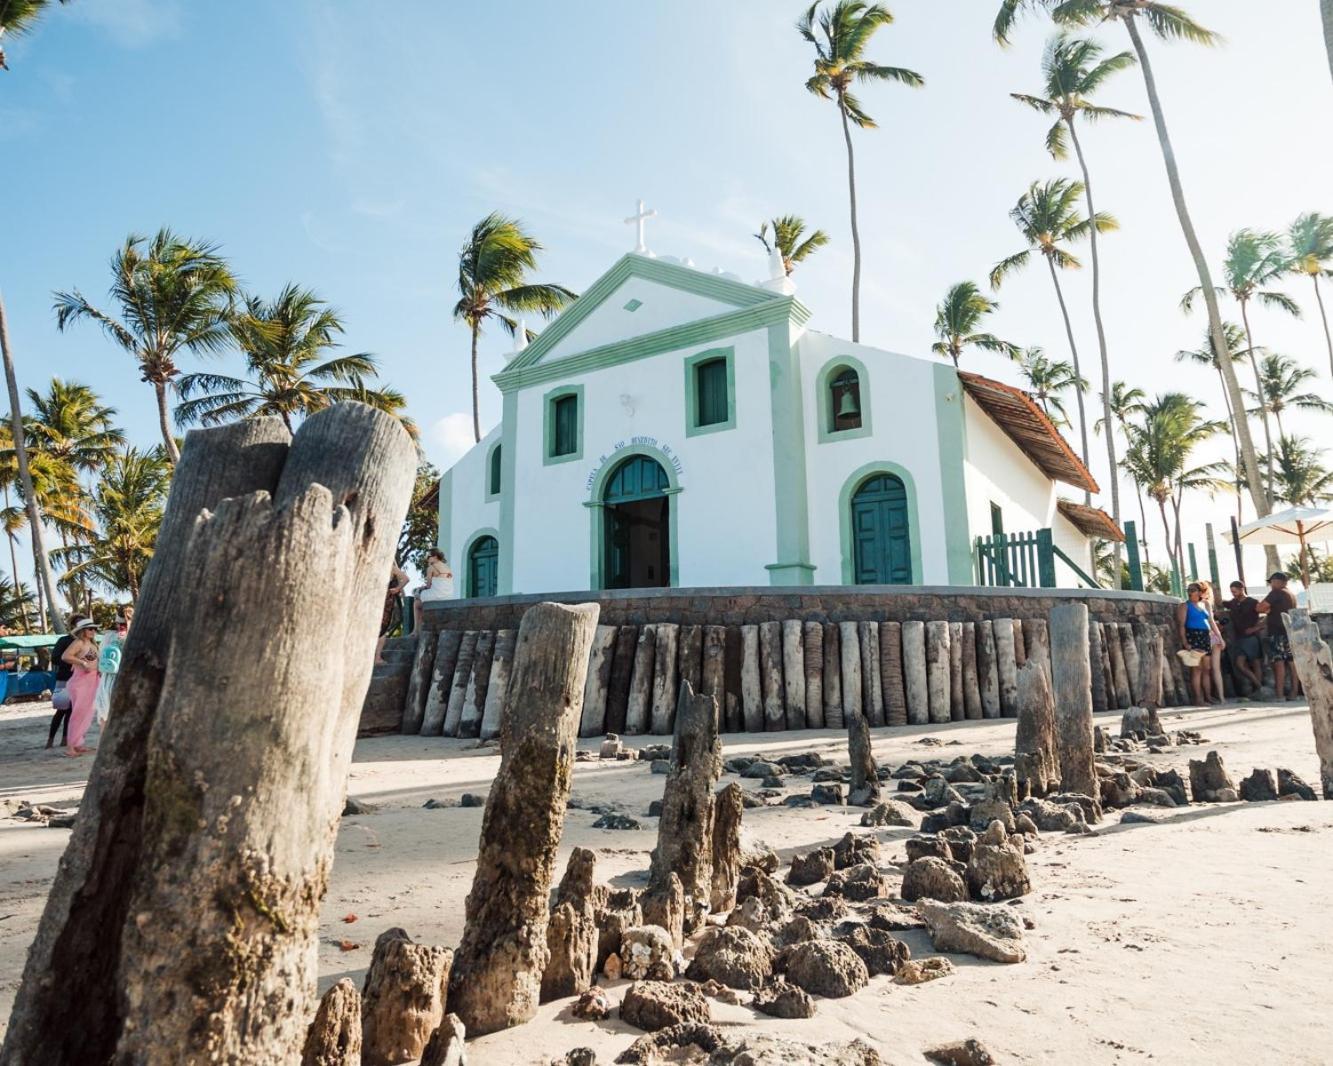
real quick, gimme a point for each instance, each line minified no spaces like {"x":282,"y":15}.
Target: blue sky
{"x":350,"y":147}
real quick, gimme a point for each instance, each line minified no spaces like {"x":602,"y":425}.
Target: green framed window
{"x":563,"y":437}
{"x":494,"y":466}
{"x":710,"y":391}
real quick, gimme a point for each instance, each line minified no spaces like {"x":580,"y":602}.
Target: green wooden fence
{"x":1022,"y":560}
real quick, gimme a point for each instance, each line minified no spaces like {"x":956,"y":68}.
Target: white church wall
{"x":903,"y":431}
{"x":470,"y":512}
{"x":659,"y":307}
{"x":724,"y":514}
{"x":1075,"y":544}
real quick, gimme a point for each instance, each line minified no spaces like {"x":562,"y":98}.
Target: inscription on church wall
{"x":665,"y":450}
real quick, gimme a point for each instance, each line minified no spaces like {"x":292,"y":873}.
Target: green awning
{"x":29,"y":641}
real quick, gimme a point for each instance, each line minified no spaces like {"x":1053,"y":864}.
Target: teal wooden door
{"x":636,"y":526}
{"x":881,"y":534}
{"x":483,"y":568}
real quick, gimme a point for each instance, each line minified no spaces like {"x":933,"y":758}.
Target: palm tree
{"x":1282,"y":378}
{"x":492,"y":279}
{"x":1047,"y":379}
{"x":287,"y":346}
{"x":128,"y":502}
{"x":1326,"y":7}
{"x":46,"y":585}
{"x":1253,"y":261}
{"x":1072,"y":70}
{"x":17,"y":17}
{"x":1047,"y":217}
{"x":1302,"y":478}
{"x":71,"y":424}
{"x":174,"y":295}
{"x":957,"y":319}
{"x":1310,"y":249}
{"x":1125,"y":403}
{"x":787,"y":233}
{"x":841,"y":35}
{"x":1206,"y":355}
{"x":1169,"y":23}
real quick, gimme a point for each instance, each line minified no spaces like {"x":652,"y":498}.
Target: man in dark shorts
{"x":1243,"y":643}
{"x":1277,"y":603}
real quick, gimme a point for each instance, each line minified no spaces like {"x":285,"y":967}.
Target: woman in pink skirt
{"x":82,"y":685}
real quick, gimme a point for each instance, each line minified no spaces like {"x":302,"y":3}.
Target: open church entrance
{"x":636,"y":526}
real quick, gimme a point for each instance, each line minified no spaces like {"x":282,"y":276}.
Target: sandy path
{"x":1203,"y":939}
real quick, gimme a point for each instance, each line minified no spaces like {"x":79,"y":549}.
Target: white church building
{"x":676,"y":427}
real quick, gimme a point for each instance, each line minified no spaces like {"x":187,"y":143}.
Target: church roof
{"x":1092,"y":521}
{"x":1026,"y":424}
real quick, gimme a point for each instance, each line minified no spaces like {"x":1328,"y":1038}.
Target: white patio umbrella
{"x":1295,"y":525}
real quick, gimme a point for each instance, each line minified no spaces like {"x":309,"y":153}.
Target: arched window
{"x":844,"y":400}
{"x":483,"y":567}
{"x":493,"y":473}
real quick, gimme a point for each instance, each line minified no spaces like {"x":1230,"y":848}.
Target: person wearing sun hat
{"x":60,"y":693}
{"x":82,"y":656}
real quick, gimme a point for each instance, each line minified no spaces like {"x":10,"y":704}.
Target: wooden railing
{"x":1022,"y":560}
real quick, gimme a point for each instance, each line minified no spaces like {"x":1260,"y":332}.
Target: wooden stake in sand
{"x":793,"y":673}
{"x":600,"y":661}
{"x":915,"y":674}
{"x":727,"y":808}
{"x":872,"y":692}
{"x":467,"y":650}
{"x":713,"y":672}
{"x":1036,"y":761}
{"x":691,"y":656}
{"x":498,"y":967}
{"x":752,"y":693}
{"x":478,"y":684}
{"x":441,"y":681}
{"x":1072,"y":692}
{"x":865,"y":779}
{"x":937,"y":670}
{"x":1133,"y":671}
{"x":733,"y":710}
{"x":102,"y":985}
{"x":770,"y":674}
{"x":418,"y":684}
{"x":665,"y":677}
{"x":1006,"y":666}
{"x":988,"y":674}
{"x":640,"y":703}
{"x":971,"y":684}
{"x":1095,"y":665}
{"x":1119,"y":678}
{"x":1314,"y":667}
{"x":812,"y":639}
{"x":956,"y":698}
{"x":891,"y":673}
{"x":833,"y":718}
{"x":849,"y":652}
{"x":497,"y":686}
{"x":622,"y":669}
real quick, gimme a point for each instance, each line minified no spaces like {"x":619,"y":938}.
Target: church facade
{"x":674,"y":427}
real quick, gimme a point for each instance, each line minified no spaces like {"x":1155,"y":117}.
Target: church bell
{"x":847,"y":405}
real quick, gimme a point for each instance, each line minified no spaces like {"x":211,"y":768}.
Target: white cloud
{"x":452,"y":436}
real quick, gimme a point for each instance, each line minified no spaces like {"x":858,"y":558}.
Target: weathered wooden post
{"x":572,"y":934}
{"x":441,"y":681}
{"x":1115,"y":648}
{"x":1006,"y":665}
{"x":1037,"y":643}
{"x":418,"y":684}
{"x":100,"y":985}
{"x":497,"y":685}
{"x":478,"y":684}
{"x":849,"y":647}
{"x":833,"y":718}
{"x":793,"y":672}
{"x":1072,"y":691}
{"x":467,"y":650}
{"x":1099,"y":703}
{"x":665,"y":679}
{"x":334,"y":1037}
{"x":1036,"y":762}
{"x":957,"y":704}
{"x":938,"y":656}
{"x":971,"y":681}
{"x":914,"y":672}
{"x":727,"y":808}
{"x":988,"y":674}
{"x":891,"y":672}
{"x":1129,"y":651}
{"x":812,"y":654}
{"x":622,"y":670}
{"x":691,"y":656}
{"x":685,"y":829}
{"x":713,"y":672}
{"x":497,"y":971}
{"x":770,"y":674}
{"x":752,"y":691}
{"x":733,"y":710}
{"x":1314,"y":667}
{"x":639,"y":705}
{"x":865,"y":778}
{"x":601,"y":659}
{"x":403,"y":998}
{"x":872,"y":692}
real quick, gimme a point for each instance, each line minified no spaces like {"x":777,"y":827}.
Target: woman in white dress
{"x":439,"y":581}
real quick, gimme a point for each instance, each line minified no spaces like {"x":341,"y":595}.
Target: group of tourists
{"x":439,"y":585}
{"x":85,"y":669}
{"x":1247,"y":631}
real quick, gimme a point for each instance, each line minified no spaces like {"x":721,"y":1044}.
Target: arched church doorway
{"x":483,"y":567}
{"x":636,"y":526}
{"x":881,"y":532}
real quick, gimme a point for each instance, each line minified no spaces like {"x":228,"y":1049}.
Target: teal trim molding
{"x":792,"y":508}
{"x":548,"y":425}
{"x":443,"y":536}
{"x":692,"y":427}
{"x":463,"y":568}
{"x":487,"y":494}
{"x":672,"y":275}
{"x":508,"y":497}
{"x":595,"y":503}
{"x":849,"y":487}
{"x":824,"y":402}
{"x":778,"y":311}
{"x":951,"y":428}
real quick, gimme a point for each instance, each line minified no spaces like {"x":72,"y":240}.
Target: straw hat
{"x":1191,"y":657}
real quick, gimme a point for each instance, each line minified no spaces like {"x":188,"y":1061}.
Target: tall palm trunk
{"x":1112,"y":467}
{"x":1078,"y":374}
{"x":1166,"y":526}
{"x":14,"y":566}
{"x":856,"y":233}
{"x":1318,"y":294}
{"x":1326,"y":6}
{"x":1235,"y":443}
{"x":1263,"y":398}
{"x":44,"y":579}
{"x":1257,"y":493}
{"x":1143,"y":523}
{"x":476,"y":393}
{"x":164,"y":422}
